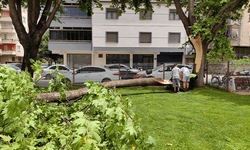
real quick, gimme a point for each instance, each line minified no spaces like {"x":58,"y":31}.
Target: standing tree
{"x":40,"y":15}
{"x":44,"y":52}
{"x":205,"y":21}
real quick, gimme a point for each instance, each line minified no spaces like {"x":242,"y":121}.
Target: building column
{"x":65,"y":58}
{"x":131,"y":59}
{"x":155,"y":60}
{"x":93,"y":59}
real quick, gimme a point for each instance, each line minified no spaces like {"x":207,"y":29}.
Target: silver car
{"x":125,"y":71}
{"x":158,"y":71}
{"x":61,"y":69}
{"x":93,"y":73}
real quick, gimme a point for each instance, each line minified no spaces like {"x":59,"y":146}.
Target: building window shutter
{"x":145,"y":37}
{"x":112,"y":37}
{"x":174,"y":38}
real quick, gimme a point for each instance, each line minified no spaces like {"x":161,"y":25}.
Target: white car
{"x":18,"y":70}
{"x":61,"y":69}
{"x":93,"y":73}
{"x":158,"y":71}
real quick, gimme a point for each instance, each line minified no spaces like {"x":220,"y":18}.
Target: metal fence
{"x":228,"y":75}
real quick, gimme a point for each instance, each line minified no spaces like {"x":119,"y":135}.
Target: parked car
{"x":44,"y":65}
{"x":126,"y":72}
{"x":61,"y":69}
{"x":158,"y":71}
{"x":19,"y":65}
{"x":93,"y":73}
{"x":18,"y":70}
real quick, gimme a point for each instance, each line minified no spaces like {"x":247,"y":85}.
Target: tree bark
{"x":200,"y":58}
{"x":74,"y":94}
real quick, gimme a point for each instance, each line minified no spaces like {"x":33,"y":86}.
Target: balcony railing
{"x":74,"y":17}
{"x":8,"y":41}
{"x":8,"y":52}
{"x":80,"y":41}
{"x":5,"y":19}
{"x":8,"y":30}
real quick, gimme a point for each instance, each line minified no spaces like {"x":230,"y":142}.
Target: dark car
{"x":126,"y":72}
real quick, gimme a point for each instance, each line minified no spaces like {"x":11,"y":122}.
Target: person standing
{"x":185,"y":76}
{"x":176,"y":78}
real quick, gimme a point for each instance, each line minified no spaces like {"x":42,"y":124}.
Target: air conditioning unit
{"x":0,"y":51}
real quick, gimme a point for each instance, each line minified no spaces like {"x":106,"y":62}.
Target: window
{"x":4,"y":14}
{"x":5,"y":36}
{"x":24,"y":19}
{"x":112,"y":37}
{"x":100,"y":56}
{"x":18,"y":48}
{"x":173,"y":15}
{"x":13,"y":58}
{"x":23,"y":9}
{"x":70,"y":36}
{"x":148,"y":16}
{"x":145,"y":37}
{"x":62,"y":68}
{"x":5,"y":47}
{"x":174,"y":38}
{"x":19,"y":58}
{"x":111,"y":13}
{"x":74,"y":12}
{"x":53,"y":68}
{"x":5,"y":25}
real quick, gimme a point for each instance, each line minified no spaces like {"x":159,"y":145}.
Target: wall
{"x":129,"y":25}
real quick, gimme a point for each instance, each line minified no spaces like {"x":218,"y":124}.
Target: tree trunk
{"x":30,"y":52}
{"x":55,"y":97}
{"x":200,"y":58}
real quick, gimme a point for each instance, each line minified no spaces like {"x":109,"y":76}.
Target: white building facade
{"x":130,"y":39}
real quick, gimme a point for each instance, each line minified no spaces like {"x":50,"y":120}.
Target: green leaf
{"x":5,"y":138}
{"x":80,"y":121}
{"x":81,"y":130}
{"x":151,"y":140}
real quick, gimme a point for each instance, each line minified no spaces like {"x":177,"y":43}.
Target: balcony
{"x":5,"y":19}
{"x":8,"y":30}
{"x":8,"y":52}
{"x":11,"y":41}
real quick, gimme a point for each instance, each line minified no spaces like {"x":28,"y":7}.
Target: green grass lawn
{"x":202,"y":119}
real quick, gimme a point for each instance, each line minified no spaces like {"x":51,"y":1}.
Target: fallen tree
{"x":74,"y":94}
{"x":102,"y":119}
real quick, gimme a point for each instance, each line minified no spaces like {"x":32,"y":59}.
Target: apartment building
{"x":11,"y":51}
{"x":131,"y":39}
{"x":239,"y":31}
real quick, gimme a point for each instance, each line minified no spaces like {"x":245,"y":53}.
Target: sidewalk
{"x":242,"y":93}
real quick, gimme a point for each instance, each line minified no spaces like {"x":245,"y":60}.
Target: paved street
{"x":43,"y":83}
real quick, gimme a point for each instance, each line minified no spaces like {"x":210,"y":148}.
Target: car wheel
{"x":48,"y":76}
{"x":68,"y":82}
{"x":106,"y":80}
